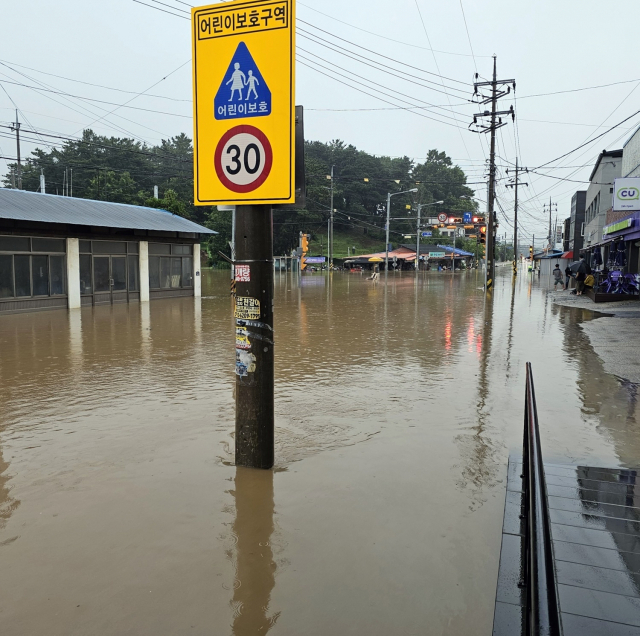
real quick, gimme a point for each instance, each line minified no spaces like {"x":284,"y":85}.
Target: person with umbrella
{"x":580,"y":270}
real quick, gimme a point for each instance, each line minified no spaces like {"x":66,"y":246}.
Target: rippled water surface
{"x":397,"y":407}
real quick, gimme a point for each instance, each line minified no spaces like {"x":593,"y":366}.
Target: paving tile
{"x":596,"y":538}
{"x":512,"y":523}
{"x":594,"y":508}
{"x":573,"y":625}
{"x":601,"y":579}
{"x":600,"y":522}
{"x":600,"y":605}
{"x":622,"y":496}
{"x":599,"y":557}
{"x":508,"y":620}
{"x":511,"y":571}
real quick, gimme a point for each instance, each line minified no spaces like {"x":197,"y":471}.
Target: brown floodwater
{"x":397,"y":406}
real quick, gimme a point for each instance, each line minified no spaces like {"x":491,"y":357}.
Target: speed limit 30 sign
{"x":244,"y":107}
{"x":243,"y":159}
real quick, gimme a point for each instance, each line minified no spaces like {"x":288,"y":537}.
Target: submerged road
{"x":397,"y":408}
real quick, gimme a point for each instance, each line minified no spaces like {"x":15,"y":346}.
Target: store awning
{"x":567,"y":254}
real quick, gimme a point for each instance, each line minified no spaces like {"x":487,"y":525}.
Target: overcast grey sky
{"x":547,"y":46}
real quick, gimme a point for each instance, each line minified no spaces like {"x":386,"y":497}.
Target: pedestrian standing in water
{"x":557,"y":278}
{"x":581,"y":275}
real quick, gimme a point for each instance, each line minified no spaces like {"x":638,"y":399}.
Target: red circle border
{"x":268,"y":160}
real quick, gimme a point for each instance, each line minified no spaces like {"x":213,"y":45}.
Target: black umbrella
{"x":621,"y":255}
{"x":578,"y":266}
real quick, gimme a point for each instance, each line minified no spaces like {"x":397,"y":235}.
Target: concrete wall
{"x":631,"y":156}
{"x":73,"y":273}
{"x":144,"y":271}
{"x":197,"y":271}
{"x":600,"y":188}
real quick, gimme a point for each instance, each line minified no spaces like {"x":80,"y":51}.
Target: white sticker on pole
{"x":243,"y":158}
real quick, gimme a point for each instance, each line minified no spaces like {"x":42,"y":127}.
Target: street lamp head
{"x":413,"y":190}
{"x":438,"y":202}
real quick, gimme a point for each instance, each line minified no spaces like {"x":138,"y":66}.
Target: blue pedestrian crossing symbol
{"x":243,"y":91}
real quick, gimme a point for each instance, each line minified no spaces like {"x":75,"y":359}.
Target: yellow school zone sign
{"x":243,"y":101}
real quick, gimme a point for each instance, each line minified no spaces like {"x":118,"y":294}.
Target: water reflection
{"x":8,"y":504}
{"x":255,"y":565}
{"x":478,"y":447}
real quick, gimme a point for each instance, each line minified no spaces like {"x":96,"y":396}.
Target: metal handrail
{"x":543,"y":615}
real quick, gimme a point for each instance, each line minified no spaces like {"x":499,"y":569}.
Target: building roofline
{"x":601,"y":156}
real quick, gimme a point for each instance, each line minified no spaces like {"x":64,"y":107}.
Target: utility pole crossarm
{"x":506,"y":81}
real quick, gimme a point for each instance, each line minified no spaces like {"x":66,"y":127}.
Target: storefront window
{"x":25,"y":273}
{"x":133,"y":273}
{"x":56,"y":269}
{"x":6,"y":277}
{"x":22,"y":265}
{"x":86,"y":286}
{"x":154,"y":272}
{"x":171,"y":272}
{"x":40,"y":275}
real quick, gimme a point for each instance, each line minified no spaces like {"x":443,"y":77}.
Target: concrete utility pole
{"x":16,"y":127}
{"x":254,"y":398}
{"x":496,"y":122}
{"x":418,"y":239}
{"x":515,"y":185}
{"x":331,"y":225}
{"x":550,"y":238}
{"x":42,"y":184}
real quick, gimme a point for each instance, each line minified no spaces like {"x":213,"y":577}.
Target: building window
{"x":170,"y":266}
{"x":32,"y":267}
{"x":6,"y":276}
{"x":86,"y":285}
{"x":109,"y":266}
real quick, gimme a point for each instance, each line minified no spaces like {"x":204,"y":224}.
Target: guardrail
{"x":543,"y":616}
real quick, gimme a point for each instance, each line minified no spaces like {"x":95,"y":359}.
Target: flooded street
{"x":397,"y":406}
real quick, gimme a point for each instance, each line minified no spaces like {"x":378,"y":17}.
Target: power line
{"x":586,"y":143}
{"x":163,"y":10}
{"x":386,"y":57}
{"x":384,"y":37}
{"x":91,"y":99}
{"x":110,"y":88}
{"x":370,"y":94}
{"x":136,"y":96}
{"x":368,"y":80}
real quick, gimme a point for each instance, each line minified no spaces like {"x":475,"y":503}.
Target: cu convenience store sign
{"x":626,"y":194}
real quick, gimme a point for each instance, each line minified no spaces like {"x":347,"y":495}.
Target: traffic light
{"x":304,"y":245}
{"x":530,"y":252}
{"x":483,"y":235}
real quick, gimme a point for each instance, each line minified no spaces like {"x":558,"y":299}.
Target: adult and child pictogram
{"x":243,"y":91}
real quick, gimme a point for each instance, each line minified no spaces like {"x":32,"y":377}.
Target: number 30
{"x":236,"y":159}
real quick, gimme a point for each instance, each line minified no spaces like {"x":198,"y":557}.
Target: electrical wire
{"x":375,"y":84}
{"x":466,"y":84}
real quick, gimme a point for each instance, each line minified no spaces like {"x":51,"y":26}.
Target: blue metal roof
{"x":21,"y":205}
{"x":455,"y":250}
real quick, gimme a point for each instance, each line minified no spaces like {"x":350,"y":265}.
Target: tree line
{"x":123,"y":170}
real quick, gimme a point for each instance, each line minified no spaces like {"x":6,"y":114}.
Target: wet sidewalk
{"x":595,"y":530}
{"x":614,"y":335}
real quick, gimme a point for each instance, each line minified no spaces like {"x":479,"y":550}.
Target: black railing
{"x":543,"y":616}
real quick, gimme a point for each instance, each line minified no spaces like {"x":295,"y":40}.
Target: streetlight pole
{"x":420,"y":206}
{"x":386,"y":247}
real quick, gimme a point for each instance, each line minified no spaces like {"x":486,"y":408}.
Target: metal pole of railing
{"x":543,"y":616}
